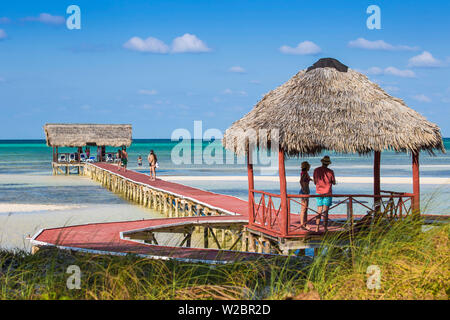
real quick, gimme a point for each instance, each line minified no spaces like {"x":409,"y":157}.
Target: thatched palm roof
{"x":79,"y":135}
{"x":330,"y":106}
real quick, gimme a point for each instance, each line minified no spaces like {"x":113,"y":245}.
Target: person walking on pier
{"x":124,"y":159}
{"x":119,"y":159}
{"x":323,"y":179}
{"x":152,"y":162}
{"x":305,"y":179}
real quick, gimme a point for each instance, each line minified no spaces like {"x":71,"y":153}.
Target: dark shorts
{"x":124,"y":162}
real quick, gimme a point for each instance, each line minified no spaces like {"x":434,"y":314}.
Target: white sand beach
{"x":19,"y":207}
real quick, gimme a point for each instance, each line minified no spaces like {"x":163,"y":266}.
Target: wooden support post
{"x":284,"y":214}
{"x":376,"y":180}
{"x":244,"y":244}
{"x":154,"y":202}
{"x":251,"y":242}
{"x":260,"y":244}
{"x":416,"y":184}
{"x":251,"y":187}
{"x":164,"y":198}
{"x":215,"y":238}
{"x":206,"y":237}
{"x":176,"y":208}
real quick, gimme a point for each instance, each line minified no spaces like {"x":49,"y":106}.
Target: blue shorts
{"x":324,"y":201}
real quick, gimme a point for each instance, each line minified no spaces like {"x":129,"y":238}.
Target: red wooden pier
{"x":111,"y":237}
{"x":125,"y":237}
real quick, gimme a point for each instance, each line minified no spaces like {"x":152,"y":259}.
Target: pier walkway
{"x":186,"y":208}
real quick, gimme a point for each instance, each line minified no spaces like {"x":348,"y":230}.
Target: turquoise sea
{"x":25,"y":178}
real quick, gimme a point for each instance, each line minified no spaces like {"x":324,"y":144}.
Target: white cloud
{"x":237,"y":69}
{"x":240,"y":92}
{"x":399,"y":73}
{"x":393,"y":71}
{"x":375,"y":71}
{"x":3,"y":34}
{"x":392,"y":89}
{"x":151,"y":92}
{"x":422,"y":98}
{"x":362,"y":43}
{"x":188,"y":43}
{"x":425,"y":59}
{"x":303,"y":48}
{"x":150,"y":44}
{"x":46,"y":18}
{"x":5,"y":20}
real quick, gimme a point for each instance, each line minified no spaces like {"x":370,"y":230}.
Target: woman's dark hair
{"x":153,"y":153}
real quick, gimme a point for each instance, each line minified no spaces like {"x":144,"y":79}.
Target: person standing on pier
{"x":119,"y":159}
{"x":152,"y":162}
{"x":124,"y":159}
{"x":305,"y":179}
{"x":323,"y":179}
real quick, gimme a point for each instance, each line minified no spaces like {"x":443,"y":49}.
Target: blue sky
{"x":160,"y":65}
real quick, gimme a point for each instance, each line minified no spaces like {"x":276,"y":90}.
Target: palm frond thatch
{"x":79,"y":135}
{"x":339,"y":110}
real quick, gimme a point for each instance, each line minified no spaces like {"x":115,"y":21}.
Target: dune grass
{"x":411,"y":259}
{"x":413,"y":262}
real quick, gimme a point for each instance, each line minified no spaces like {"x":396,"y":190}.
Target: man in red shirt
{"x":323,"y":179}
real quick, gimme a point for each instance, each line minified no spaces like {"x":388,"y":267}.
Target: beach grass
{"x":413,"y":263}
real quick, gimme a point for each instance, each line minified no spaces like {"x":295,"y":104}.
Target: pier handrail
{"x":266,"y":214}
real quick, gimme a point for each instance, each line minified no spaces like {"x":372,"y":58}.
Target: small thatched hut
{"x":329,"y":106}
{"x":80,"y":135}
{"x":86,"y":135}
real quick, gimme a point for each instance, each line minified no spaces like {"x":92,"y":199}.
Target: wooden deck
{"x":114,"y":237}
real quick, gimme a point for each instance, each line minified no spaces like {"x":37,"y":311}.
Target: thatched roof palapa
{"x":330,"y":106}
{"x":80,"y":135}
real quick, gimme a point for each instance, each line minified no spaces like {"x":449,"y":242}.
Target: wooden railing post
{"x":251,"y":187}
{"x":376,"y":180}
{"x":283,"y":194}
{"x":416,"y":184}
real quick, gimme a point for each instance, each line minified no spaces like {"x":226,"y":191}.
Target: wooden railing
{"x":268,"y":215}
